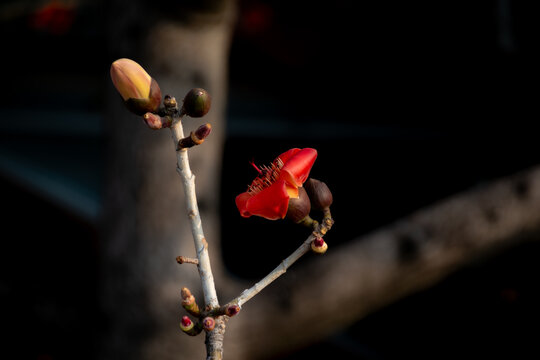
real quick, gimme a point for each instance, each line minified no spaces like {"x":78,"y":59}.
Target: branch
{"x":277,"y":272}
{"x":214,"y":338}
{"x":318,"y":233}
{"x":201,"y":246}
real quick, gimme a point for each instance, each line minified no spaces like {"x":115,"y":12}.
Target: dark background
{"x":406,"y":103}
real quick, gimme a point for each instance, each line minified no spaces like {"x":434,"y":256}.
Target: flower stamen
{"x":256,"y":168}
{"x":267,"y":176}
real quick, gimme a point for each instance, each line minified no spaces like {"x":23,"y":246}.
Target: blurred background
{"x":407,"y":103}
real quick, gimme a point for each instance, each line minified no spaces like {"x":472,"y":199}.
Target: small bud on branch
{"x":319,"y":246}
{"x":156,"y":122}
{"x":189,"y":327}
{"x":231,"y":310}
{"x":196,"y":103}
{"x":170,"y":102}
{"x":189,"y":303}
{"x":208,"y":323}
{"x":195,"y":138}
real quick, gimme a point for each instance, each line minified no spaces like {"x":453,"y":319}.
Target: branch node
{"x":187,"y":260}
{"x":208,"y":323}
{"x":205,"y":243}
{"x":229,"y":310}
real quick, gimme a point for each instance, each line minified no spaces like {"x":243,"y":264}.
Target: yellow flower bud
{"x":140,"y":92}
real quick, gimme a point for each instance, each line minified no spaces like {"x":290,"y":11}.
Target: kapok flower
{"x":140,"y":92}
{"x":269,"y":194}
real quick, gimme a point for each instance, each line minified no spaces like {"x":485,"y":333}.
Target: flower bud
{"x":189,"y":303}
{"x":195,"y":138}
{"x":196,"y":103}
{"x":208,"y":323}
{"x":232,"y":310}
{"x":189,"y":327}
{"x":319,"y":193}
{"x":140,"y":92}
{"x":169,"y":102}
{"x":319,"y":246}
{"x":299,"y":207}
{"x":186,"y":324}
{"x":201,"y":133}
{"x":156,"y":122}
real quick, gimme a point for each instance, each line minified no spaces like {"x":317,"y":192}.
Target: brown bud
{"x":319,"y":246}
{"x":195,"y":138}
{"x":201,"y":133}
{"x":319,"y":193}
{"x":232,"y":310}
{"x":169,"y":101}
{"x":299,"y":207}
{"x":196,"y":103}
{"x":208,"y":323}
{"x":157,"y":122}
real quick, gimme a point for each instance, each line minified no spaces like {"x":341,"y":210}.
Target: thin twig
{"x":247,"y":294}
{"x":187,"y":260}
{"x":201,"y":246}
{"x":277,"y":272}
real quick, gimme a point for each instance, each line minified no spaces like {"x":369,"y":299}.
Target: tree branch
{"x":214,"y":338}
{"x":318,"y":233}
{"x":274,"y":274}
{"x":201,"y":246}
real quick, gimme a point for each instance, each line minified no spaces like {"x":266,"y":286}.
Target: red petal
{"x":298,"y":164}
{"x":241,"y":202}
{"x":288,"y":154}
{"x":271,"y":203}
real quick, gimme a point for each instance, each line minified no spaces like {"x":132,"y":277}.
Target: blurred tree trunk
{"x":145,"y":222}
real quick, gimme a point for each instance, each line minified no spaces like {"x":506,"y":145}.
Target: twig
{"x":187,"y":260}
{"x":201,"y":246}
{"x":277,"y":272}
{"x":214,"y":338}
{"x":281,"y":269}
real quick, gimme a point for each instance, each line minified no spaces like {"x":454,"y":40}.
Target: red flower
{"x":268,"y":195}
